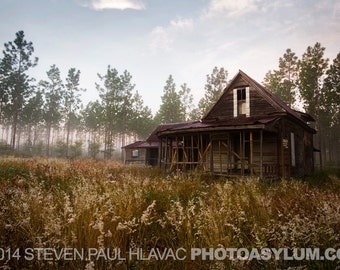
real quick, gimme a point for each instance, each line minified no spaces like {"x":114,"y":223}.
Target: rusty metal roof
{"x":191,"y":126}
{"x":238,"y":122}
{"x":142,"y":144}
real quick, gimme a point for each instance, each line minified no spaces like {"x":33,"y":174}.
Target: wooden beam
{"x":211,"y":156}
{"x":251,"y":153}
{"x":220,"y":155}
{"x":261,"y":154}
{"x":227,"y":146}
{"x":242,"y":151}
{"x":160,"y":154}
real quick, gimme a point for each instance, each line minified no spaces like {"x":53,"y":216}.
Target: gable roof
{"x":233,"y":123}
{"x":266,"y":94}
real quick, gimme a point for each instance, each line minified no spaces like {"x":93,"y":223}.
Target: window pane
{"x":135,"y":153}
{"x":241,"y":94}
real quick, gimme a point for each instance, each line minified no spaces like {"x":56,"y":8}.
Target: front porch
{"x":232,"y":153}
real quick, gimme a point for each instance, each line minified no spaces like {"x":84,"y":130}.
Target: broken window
{"x":241,"y":102}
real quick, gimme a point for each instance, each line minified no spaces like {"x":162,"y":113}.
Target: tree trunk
{"x":14,"y":131}
{"x":48,"y":140}
{"x":68,"y":128}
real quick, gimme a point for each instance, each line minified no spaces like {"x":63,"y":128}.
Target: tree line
{"x":49,"y":118}
{"x":314,"y":83}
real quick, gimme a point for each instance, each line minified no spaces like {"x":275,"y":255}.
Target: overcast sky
{"x":152,"y":39}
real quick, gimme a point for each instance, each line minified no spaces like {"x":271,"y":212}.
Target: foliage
{"x":117,"y":102}
{"x":76,"y":149}
{"x":330,"y":95}
{"x":71,"y":102}
{"x":312,"y":68}
{"x":142,"y":122}
{"x":186,"y":99}
{"x":94,"y":149}
{"x":60,"y":149}
{"x":318,"y":89}
{"x":283,"y":82}
{"x":170,"y":110}
{"x":15,"y":83}
{"x":53,"y":93}
{"x":98,"y":204}
{"x":216,"y":82}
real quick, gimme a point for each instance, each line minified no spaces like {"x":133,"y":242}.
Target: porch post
{"x":261,"y":154}
{"x":160,"y":153}
{"x":166,"y":152}
{"x":251,"y":153}
{"x":211,"y":155}
{"x":242,"y":151}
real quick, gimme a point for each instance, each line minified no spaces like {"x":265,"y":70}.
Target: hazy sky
{"x":152,"y":39}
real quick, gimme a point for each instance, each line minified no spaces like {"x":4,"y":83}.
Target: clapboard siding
{"x":224,"y":108}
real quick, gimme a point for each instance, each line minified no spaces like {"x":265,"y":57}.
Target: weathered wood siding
{"x":140,"y":160}
{"x":269,"y":154}
{"x":224,"y":108}
{"x":303,"y":144}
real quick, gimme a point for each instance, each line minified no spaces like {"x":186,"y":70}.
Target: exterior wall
{"x":140,"y":160}
{"x":269,"y":154}
{"x":236,"y":148}
{"x":224,"y":108}
{"x":285,"y":153}
{"x":297,"y":149}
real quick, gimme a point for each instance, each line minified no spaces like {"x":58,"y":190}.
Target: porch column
{"x":160,"y":153}
{"x":261,"y":154}
{"x":242,"y":154}
{"x":251,"y":153}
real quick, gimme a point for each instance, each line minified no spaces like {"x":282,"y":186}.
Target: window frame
{"x":133,"y":153}
{"x":241,"y":102}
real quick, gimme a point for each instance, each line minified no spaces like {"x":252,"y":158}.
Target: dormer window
{"x":241,"y":102}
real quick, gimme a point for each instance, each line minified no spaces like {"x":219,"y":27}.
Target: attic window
{"x":241,"y":102}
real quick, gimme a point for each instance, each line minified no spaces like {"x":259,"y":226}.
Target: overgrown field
{"x":60,"y":206}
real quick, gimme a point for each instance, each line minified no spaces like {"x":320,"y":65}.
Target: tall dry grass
{"x":88,"y":204}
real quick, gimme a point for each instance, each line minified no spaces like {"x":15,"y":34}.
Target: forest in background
{"x":48,"y":118}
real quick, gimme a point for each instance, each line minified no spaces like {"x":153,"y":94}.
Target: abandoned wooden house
{"x":248,"y":131}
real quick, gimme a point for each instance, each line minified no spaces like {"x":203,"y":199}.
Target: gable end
{"x":228,"y":106}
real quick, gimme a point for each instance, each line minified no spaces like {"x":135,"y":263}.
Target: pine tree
{"x":116,"y":100}
{"x":14,"y":65}
{"x":330,"y":111}
{"x":170,"y":110}
{"x":71,"y":102}
{"x":52,"y":90}
{"x":283,"y":82}
{"x":312,"y":68}
{"x":216,"y":82}
{"x":32,"y":116}
{"x":141,"y":122}
{"x":186,"y":99}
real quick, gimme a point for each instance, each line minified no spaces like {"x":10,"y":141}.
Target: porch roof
{"x":141,"y":144}
{"x":236,"y":123}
